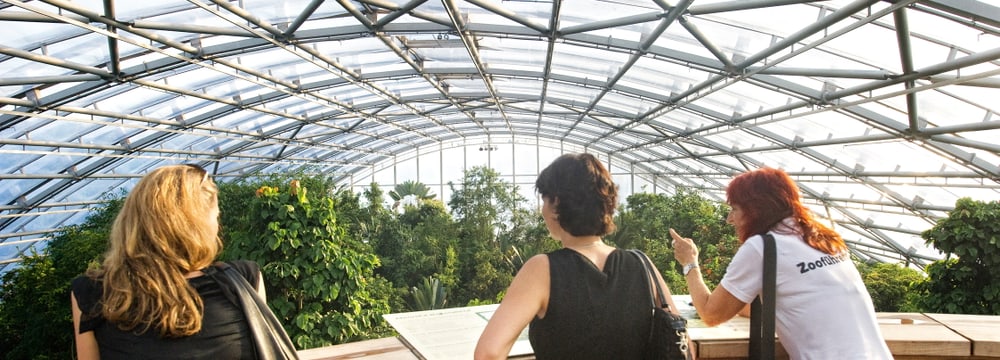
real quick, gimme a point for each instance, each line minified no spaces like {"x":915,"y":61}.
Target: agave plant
{"x":429,"y":295}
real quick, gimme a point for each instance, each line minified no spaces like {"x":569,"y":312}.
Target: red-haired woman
{"x":822,"y":309}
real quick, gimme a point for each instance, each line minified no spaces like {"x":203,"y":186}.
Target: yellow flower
{"x":266,"y":191}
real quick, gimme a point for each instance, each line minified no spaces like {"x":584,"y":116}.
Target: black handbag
{"x":762,"y":308}
{"x":271,"y":342}
{"x":668,"y":336}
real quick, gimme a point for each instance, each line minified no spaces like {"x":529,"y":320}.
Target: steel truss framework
{"x":884,"y":112}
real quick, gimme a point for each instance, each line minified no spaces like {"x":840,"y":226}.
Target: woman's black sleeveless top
{"x":593,"y":314}
{"x":224,"y":333}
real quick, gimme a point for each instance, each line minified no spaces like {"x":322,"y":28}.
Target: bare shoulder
{"x":536,"y":263}
{"x":533,"y":270}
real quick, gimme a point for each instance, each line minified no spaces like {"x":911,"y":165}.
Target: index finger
{"x":674,"y":234}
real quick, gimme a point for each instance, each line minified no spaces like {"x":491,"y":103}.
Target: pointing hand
{"x":685,"y":251}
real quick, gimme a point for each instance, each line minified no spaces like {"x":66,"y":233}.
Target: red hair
{"x":767,"y":196}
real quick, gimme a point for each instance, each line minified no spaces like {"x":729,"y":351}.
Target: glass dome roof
{"x":884,"y":112}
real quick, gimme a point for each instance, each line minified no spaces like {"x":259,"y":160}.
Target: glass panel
{"x":794,"y":113}
{"x":501,"y":158}
{"x":430,"y":168}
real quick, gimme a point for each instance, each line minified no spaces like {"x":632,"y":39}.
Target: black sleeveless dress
{"x":224,"y":333}
{"x":593,"y":314}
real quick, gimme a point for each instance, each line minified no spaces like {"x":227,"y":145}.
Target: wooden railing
{"x":910,"y":336}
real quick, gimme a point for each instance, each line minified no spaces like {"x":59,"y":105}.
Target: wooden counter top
{"x":377,"y":349}
{"x":910,"y":336}
{"x":913,"y":334}
{"x":982,"y":330}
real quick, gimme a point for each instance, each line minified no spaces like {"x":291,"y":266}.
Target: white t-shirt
{"x":822,"y":308}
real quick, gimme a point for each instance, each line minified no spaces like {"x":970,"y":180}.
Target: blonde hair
{"x":163,"y":231}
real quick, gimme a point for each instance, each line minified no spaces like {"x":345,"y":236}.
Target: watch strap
{"x":689,"y":267}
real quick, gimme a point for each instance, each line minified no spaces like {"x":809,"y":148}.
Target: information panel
{"x":449,"y":333}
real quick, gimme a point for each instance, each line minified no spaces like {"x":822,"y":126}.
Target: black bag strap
{"x":271,"y":342}
{"x":650,"y":276}
{"x":762,"y":308}
{"x":677,"y":323}
{"x":229,"y":290}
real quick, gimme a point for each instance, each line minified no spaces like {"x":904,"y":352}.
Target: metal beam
{"x":113,"y":65}
{"x":473,"y":49}
{"x":35,"y":80}
{"x":397,"y":12}
{"x":48,"y":60}
{"x":821,"y":24}
{"x":829,"y":73}
{"x":509,"y":15}
{"x":906,"y":60}
{"x":673,"y":15}
{"x":705,"y":42}
{"x":610,"y":23}
{"x":301,"y":19}
{"x":976,"y":11}
{"x":738,"y":5}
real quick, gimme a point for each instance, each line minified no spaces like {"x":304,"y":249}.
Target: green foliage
{"x":474,"y":253}
{"x":32,"y":300}
{"x":319,"y":278}
{"x":890,"y":286}
{"x":410,"y":187}
{"x":429,"y":295}
{"x":644,"y":223}
{"x":966,"y":284}
{"x":448,"y":273}
{"x":496,"y":300}
{"x":321,"y":248}
{"x":527,"y":237}
{"x":491,"y":223}
{"x":414,"y":245}
{"x":35,"y":317}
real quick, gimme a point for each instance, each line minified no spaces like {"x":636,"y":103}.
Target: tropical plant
{"x":319,"y":277}
{"x":526,"y":237}
{"x":430,"y":294}
{"x":35,"y":318}
{"x":644,"y":222}
{"x":376,"y":226}
{"x":484,"y":207}
{"x":890,"y":286}
{"x":966,"y":284}
{"x":430,"y":233}
{"x":410,"y":188}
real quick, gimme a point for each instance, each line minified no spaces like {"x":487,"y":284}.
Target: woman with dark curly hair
{"x":822,"y":309}
{"x":587,"y":300}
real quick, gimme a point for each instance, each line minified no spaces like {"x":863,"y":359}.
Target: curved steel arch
{"x":683,"y":137}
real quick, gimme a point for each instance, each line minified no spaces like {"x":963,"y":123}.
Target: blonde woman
{"x":149,"y":298}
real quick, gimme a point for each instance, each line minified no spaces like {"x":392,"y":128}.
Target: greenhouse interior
{"x":885,"y":113}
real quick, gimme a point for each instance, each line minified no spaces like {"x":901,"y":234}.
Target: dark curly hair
{"x":586,"y":197}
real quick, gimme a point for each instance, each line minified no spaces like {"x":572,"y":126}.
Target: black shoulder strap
{"x":271,"y":342}
{"x":227,"y":288}
{"x":651,"y":277}
{"x":762,"y":311}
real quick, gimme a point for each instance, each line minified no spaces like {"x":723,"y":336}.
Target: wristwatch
{"x":689,"y":267}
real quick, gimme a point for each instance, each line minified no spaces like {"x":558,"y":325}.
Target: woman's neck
{"x":583,"y":242}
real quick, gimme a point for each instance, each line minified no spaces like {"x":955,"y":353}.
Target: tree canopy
{"x":334,"y":261}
